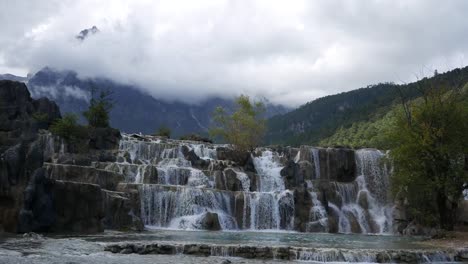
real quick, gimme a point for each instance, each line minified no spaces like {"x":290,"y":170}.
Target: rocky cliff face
{"x":44,"y":186}
{"x":21,"y":149}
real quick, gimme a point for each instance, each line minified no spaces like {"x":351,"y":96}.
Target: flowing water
{"x":177,"y":199}
{"x":181,"y":196}
{"x":313,"y":248}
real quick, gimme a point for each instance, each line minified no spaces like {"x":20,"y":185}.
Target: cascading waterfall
{"x":269,"y":172}
{"x":365,"y":206}
{"x":175,"y":195}
{"x":316,"y":159}
{"x":183,"y":194}
{"x":318,"y":214}
{"x":184,"y":207}
{"x":272,"y":207}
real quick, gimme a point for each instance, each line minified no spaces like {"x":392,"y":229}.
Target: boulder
{"x":210,"y":221}
{"x":363,"y":199}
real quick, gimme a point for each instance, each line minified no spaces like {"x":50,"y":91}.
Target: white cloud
{"x":288,"y":51}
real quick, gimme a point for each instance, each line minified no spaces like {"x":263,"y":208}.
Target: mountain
{"x":320,"y":119}
{"x":134,"y":111}
{"x":12,"y":77}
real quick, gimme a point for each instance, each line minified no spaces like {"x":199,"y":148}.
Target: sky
{"x":290,"y":52}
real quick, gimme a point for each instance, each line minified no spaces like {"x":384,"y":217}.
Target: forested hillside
{"x":324,"y":120}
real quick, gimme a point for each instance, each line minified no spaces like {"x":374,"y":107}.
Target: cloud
{"x":288,"y":51}
{"x":60,"y":92}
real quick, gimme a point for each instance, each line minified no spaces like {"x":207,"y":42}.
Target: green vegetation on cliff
{"x":318,"y":122}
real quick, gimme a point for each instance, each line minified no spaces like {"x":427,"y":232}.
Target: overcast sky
{"x":288,"y":51}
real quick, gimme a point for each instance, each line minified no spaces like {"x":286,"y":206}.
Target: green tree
{"x":163,"y":131}
{"x":99,"y":108}
{"x":244,"y":128}
{"x":429,"y":143}
{"x":68,"y":128}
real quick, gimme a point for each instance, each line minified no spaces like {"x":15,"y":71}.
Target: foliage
{"x":99,"y":108}
{"x":68,"y":128}
{"x":321,"y":118}
{"x":428,"y":142}
{"x":196,"y":137}
{"x":41,"y":117}
{"x":163,"y":131}
{"x":244,"y":128}
{"x":362,"y":134}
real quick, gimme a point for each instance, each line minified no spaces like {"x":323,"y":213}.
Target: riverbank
{"x":448,"y":240}
{"x":171,"y":246}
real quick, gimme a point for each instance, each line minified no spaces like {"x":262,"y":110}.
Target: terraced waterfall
{"x":190,"y":185}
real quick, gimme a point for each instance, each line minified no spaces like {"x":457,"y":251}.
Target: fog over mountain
{"x":290,"y":52}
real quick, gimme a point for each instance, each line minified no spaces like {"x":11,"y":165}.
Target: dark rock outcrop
{"x":119,"y":212}
{"x":210,"y":221}
{"x":21,"y":149}
{"x":105,"y":179}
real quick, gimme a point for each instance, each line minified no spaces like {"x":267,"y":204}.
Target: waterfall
{"x":269,"y":172}
{"x":316,"y":158}
{"x":317,"y":215}
{"x":204,"y":152}
{"x":174,"y":194}
{"x":365,"y":207}
{"x":184,"y":207}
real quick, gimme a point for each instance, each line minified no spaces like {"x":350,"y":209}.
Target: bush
{"x":196,"y":137}
{"x":163,"y":131}
{"x":68,"y":128}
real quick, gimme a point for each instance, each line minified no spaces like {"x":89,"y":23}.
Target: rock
{"x":239,"y":206}
{"x":306,"y":170}
{"x":302,"y":203}
{"x":239,"y":157}
{"x":119,"y":212}
{"x":78,"y":207}
{"x":196,"y":161}
{"x":363,"y":199}
{"x":38,"y":213}
{"x":232,"y":182}
{"x":33,"y":236}
{"x":106,"y":179}
{"x":210,"y":221}
{"x":104,"y":138}
{"x":337,"y":164}
{"x":291,"y":175}
{"x":21,"y":151}
{"x":286,"y":210}
{"x":226,"y":261}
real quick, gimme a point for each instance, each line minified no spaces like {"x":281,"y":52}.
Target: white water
{"x":315,"y":155}
{"x":365,"y":201}
{"x":268,"y":168}
{"x":185,"y":194}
